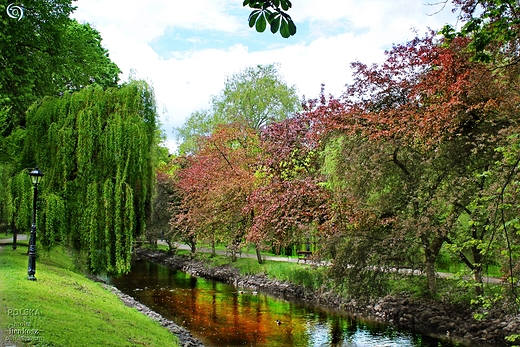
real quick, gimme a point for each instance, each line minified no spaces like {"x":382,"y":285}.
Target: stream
{"x":219,"y":314}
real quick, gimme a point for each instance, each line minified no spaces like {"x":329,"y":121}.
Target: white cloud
{"x":147,"y":20}
{"x":332,"y":34}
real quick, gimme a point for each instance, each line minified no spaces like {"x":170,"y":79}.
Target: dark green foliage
{"x":273,"y":13}
{"x":47,"y":53}
{"x":95,"y":148}
{"x":29,"y":52}
{"x":361,"y":265}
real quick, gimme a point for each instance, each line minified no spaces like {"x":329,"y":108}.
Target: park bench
{"x":303,"y":255}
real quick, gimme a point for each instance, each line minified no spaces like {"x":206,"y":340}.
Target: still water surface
{"x":221,"y":315}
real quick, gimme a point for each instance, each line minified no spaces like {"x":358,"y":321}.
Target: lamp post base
{"x":31,"y":266}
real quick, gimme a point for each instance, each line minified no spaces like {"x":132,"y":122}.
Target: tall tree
{"x":47,"y":53}
{"x":164,"y":195}
{"x":289,"y":204}
{"x":44,"y":53}
{"x":83,"y":60}
{"x":215,"y":183}
{"x":493,"y":27}
{"x":96,"y":150}
{"x":253,"y":97}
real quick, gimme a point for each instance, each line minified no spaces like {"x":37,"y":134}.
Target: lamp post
{"x":36,"y":177}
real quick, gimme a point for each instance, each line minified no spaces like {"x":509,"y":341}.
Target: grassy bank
{"x":455,"y":290}
{"x":300,"y":274}
{"x":64,"y":308}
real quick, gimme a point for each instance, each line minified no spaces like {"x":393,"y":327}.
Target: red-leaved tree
{"x":290,"y":204}
{"x":434,"y":114}
{"x":215,"y":183}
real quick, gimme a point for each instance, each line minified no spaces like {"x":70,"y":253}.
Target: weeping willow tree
{"x":15,"y":199}
{"x":95,"y":148}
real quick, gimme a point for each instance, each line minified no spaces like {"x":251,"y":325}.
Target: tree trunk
{"x":15,"y":232}
{"x":431,"y":275}
{"x":477,"y":264}
{"x":213,"y":250}
{"x":477,"y":271}
{"x":193,"y":245}
{"x":258,"y":255}
{"x":431,"y":251}
{"x":479,"y":287}
{"x":233,"y":250}
{"x":171,"y":248}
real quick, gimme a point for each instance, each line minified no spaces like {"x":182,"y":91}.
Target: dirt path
{"x":5,"y":242}
{"x":487,"y":279}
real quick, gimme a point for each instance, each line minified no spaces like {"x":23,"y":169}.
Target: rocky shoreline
{"x":429,"y":318}
{"x":185,"y":337}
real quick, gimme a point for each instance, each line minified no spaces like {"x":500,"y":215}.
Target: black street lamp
{"x":36,"y":177}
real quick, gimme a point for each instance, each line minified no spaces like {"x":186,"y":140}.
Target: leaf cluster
{"x":493,"y":26}
{"x":272,"y":12}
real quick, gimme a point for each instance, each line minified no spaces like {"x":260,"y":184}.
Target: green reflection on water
{"x":221,"y":315}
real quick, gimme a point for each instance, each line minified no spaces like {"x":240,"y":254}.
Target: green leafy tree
{"x":493,"y":26}
{"x":96,"y":149}
{"x":253,"y":97}
{"x":84,"y":61}
{"x":47,"y":53}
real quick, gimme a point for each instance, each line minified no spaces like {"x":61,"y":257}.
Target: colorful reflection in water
{"x":221,"y":315}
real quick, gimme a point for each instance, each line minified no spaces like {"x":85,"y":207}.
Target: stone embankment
{"x":430,"y":318}
{"x":185,"y":338}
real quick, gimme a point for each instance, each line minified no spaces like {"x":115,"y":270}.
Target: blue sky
{"x":186,"y":49}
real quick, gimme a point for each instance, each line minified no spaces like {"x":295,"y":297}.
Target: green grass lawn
{"x":64,"y":308}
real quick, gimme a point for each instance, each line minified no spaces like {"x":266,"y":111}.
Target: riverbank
{"x":430,"y":318}
{"x":65,"y":308}
{"x":184,"y":336}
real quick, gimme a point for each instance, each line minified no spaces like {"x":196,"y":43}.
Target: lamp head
{"x":36,"y":176}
